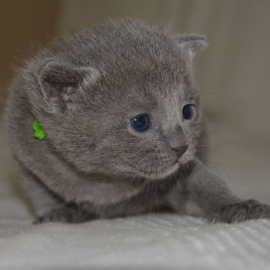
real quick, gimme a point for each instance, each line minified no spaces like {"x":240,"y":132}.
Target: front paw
{"x":242,"y":211}
{"x":65,"y":215}
{"x":56,"y":215}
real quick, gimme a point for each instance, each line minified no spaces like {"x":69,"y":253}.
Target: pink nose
{"x":179,"y":150}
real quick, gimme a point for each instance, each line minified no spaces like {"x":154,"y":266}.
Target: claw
{"x":214,"y":219}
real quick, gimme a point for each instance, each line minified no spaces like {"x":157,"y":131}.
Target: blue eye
{"x":187,"y":111}
{"x":140,"y":122}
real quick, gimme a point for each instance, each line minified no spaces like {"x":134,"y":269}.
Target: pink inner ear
{"x":67,"y":91}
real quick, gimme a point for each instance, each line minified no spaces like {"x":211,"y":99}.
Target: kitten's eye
{"x":140,"y":122}
{"x":187,"y":112}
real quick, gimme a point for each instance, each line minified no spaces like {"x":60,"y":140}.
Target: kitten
{"x":123,"y":129}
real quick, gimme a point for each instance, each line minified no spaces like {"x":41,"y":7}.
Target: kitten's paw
{"x":56,"y":215}
{"x":65,"y":215}
{"x":242,"y":211}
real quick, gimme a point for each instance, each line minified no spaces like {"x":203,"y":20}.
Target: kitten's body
{"x":93,"y":163}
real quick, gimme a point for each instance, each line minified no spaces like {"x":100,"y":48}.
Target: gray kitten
{"x":124,"y":129}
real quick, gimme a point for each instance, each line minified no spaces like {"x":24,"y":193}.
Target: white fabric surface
{"x":160,"y":241}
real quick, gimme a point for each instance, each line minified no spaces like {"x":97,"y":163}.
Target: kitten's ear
{"x":59,"y":81}
{"x":191,"y":43}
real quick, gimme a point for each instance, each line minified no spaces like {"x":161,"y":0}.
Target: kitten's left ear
{"x":191,"y":43}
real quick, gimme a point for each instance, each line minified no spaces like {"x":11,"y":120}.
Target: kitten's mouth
{"x":160,"y":172}
{"x":169,"y":167}
{"x":167,"y":170}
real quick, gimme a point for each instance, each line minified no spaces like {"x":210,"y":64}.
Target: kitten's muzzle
{"x":179,"y":150}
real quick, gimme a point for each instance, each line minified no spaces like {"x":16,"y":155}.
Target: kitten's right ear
{"x":191,"y":43}
{"x":59,"y":81}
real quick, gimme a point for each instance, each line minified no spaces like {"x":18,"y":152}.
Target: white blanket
{"x":154,"y":241}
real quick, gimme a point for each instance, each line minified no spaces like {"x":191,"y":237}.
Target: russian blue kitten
{"x":124,"y":129}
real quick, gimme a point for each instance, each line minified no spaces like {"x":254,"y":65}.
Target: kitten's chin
{"x":168,"y":170}
{"x":163,"y":172}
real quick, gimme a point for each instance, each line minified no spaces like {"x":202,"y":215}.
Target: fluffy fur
{"x":83,"y":91}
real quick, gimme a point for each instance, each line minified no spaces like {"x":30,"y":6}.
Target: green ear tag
{"x":39,"y":132}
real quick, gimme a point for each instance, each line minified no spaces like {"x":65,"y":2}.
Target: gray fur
{"x":83,"y":90}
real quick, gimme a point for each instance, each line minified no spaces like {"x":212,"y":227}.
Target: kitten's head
{"x":119,"y":100}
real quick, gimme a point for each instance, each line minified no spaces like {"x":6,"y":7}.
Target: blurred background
{"x":233,"y":74}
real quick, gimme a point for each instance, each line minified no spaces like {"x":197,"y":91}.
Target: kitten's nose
{"x":179,"y":150}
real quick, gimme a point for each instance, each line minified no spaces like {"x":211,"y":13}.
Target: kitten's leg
{"x":203,"y":193}
{"x":51,"y":208}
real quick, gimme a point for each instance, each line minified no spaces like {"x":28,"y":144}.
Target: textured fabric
{"x":163,"y":241}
